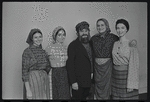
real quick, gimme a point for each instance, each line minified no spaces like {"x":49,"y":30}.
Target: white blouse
{"x":124,"y":55}
{"x":57,"y":55}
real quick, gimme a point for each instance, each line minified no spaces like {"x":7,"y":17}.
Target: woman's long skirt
{"x":119,"y":84}
{"x":103,"y":80}
{"x":39,"y":84}
{"x":60,"y":85}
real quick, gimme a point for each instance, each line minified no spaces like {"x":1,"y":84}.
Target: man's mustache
{"x":84,"y":35}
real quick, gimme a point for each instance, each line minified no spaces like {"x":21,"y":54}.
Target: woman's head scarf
{"x":107,"y":26}
{"x":30,"y":36}
{"x":55,"y":32}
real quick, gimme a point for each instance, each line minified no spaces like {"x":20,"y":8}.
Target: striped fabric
{"x":39,"y":84}
{"x":50,"y":83}
{"x":33,"y":58}
{"x":119,"y":84}
{"x":123,"y":54}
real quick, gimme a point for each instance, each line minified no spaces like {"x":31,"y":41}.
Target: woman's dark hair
{"x":123,"y":21}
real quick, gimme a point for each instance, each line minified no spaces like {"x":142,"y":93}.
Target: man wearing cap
{"x":80,"y":62}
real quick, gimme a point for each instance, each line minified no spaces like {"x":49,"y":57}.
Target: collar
{"x":33,"y":46}
{"x":104,"y":35}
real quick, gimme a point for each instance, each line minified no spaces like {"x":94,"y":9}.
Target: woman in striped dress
{"x":35,"y":66}
{"x":58,"y":55}
{"x":125,"y":73}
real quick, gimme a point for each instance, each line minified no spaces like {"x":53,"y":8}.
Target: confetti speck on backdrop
{"x":40,"y":13}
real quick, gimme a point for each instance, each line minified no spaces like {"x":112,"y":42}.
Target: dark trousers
{"x":81,"y":93}
{"x":91,"y":93}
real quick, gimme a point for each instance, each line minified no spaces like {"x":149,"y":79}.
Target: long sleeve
{"x":93,"y":59}
{"x":133,"y":72}
{"x":70,"y":64}
{"x":25,"y":66}
{"x":92,"y":51}
{"x":48,"y":67}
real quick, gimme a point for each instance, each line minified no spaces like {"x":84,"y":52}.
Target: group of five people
{"x":104,"y":65}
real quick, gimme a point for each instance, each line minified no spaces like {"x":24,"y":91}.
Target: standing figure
{"x":102,"y":44}
{"x":125,"y":77}
{"x":58,"y":55}
{"x":79,"y":63}
{"x":35,"y":66}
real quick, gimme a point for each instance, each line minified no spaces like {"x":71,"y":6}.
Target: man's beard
{"x":84,"y":39}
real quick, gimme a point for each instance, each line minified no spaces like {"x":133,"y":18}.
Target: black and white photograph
{"x":74,"y":50}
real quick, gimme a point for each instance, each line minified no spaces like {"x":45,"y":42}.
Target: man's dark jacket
{"x":78,"y":64}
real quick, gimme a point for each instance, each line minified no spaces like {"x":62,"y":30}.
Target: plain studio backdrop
{"x":18,"y":18}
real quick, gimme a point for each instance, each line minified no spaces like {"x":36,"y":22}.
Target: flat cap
{"x":82,"y":25}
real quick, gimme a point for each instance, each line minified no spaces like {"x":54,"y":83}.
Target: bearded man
{"x":80,"y":62}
